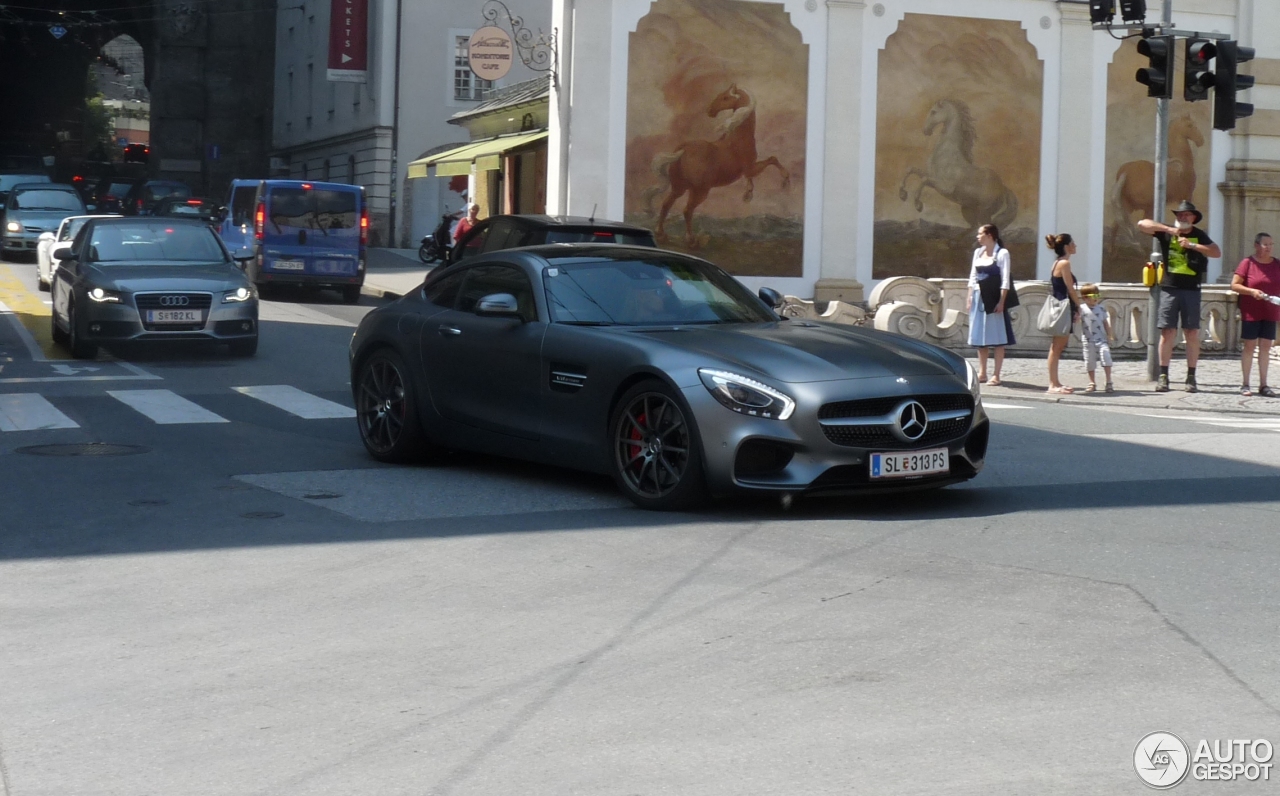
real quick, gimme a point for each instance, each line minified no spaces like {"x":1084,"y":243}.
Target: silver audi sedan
{"x":151,"y":279}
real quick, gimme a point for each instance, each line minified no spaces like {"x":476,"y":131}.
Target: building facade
{"x":358,"y":132}
{"x":821,"y":146}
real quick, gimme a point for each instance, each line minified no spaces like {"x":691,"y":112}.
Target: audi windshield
{"x":153,"y":243}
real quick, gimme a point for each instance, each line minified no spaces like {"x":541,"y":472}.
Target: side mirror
{"x":498,"y":305}
{"x":46,"y":236}
{"x":69,"y":256}
{"x":220,"y":215}
{"x":242,"y":255}
{"x":91,"y":208}
{"x":60,"y":251}
{"x":771,"y":297}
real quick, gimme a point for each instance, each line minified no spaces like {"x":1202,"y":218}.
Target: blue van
{"x":236,"y":227}
{"x":307,"y":233}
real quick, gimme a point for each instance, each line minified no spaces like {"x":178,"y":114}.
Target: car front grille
{"x":880,"y":436}
{"x":161,"y":301}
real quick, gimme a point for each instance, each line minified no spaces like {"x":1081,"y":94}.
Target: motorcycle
{"x":436,"y":246}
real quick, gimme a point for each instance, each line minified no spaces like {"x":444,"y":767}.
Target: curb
{"x":379,"y":292}
{"x":1129,"y":403}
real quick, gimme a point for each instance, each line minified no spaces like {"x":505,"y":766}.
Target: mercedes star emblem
{"x":912,"y":421}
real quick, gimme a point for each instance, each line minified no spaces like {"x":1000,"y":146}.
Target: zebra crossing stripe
{"x":296,"y":402}
{"x":165,"y":407}
{"x":27,"y":411}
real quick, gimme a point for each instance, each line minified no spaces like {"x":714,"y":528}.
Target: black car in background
{"x":515,"y":231}
{"x":107,"y":196}
{"x":205,"y":210}
{"x":142,"y":198}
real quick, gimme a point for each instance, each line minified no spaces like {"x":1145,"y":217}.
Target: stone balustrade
{"x":933,"y":310}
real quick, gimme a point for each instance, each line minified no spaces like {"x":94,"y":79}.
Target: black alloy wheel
{"x":657,"y":461}
{"x":386,"y":409}
{"x":79,"y":347}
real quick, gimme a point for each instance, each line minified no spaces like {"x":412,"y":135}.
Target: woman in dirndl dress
{"x":990,"y":280}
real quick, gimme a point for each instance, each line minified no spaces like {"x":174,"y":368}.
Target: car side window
{"x":444,"y":292}
{"x":485,"y":280}
{"x":473,"y":244}
{"x":497,"y":237}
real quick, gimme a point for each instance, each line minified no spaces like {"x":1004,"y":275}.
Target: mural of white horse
{"x":982,"y":196}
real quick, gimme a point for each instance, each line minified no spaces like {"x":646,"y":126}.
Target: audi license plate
{"x":175,"y":316}
{"x":906,"y":465}
{"x":289,"y":265}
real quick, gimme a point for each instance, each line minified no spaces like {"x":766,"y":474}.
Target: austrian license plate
{"x":289,"y":265}
{"x":175,"y":316}
{"x":934,"y":461}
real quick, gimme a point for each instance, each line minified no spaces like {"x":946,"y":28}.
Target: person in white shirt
{"x":990,"y":280}
{"x":1095,"y":335}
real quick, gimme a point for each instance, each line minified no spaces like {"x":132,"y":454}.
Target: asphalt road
{"x":247,"y":604}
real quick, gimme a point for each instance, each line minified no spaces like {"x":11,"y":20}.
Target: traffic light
{"x":1133,"y":10}
{"x":1102,"y":11}
{"x":1158,"y":50}
{"x":1227,"y":82}
{"x":1196,"y":77}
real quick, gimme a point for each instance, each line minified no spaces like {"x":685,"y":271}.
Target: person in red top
{"x":1257,"y":278}
{"x":464,"y":226}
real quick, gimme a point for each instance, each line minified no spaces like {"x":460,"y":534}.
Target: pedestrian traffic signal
{"x":1227,"y":82}
{"x":1196,"y":77}
{"x":1101,"y":12}
{"x":1158,"y":50}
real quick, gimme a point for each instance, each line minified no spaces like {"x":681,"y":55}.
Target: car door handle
{"x":449,"y":331}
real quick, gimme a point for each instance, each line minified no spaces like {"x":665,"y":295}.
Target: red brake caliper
{"x":633,"y":450}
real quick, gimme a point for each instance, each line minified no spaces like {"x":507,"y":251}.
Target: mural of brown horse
{"x":695,"y":167}
{"x":1134,"y":188}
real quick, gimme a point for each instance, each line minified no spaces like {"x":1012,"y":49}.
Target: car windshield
{"x":71,"y":228}
{"x":148,"y":243}
{"x":661,"y":289}
{"x":161,"y":191}
{"x":40,"y":199}
{"x":117,"y":189}
{"x":599,"y":236}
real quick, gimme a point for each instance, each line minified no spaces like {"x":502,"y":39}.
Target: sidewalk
{"x":391,"y":273}
{"x":1027,"y":379}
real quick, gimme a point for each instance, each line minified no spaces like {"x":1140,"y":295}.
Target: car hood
{"x":47,"y":220}
{"x":798,"y":352}
{"x":137,"y":278}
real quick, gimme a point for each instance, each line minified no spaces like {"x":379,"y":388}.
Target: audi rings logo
{"x":174,"y":301}
{"x":912,"y":421}
{"x":1161,"y":760}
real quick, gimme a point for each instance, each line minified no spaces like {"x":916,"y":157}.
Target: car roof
{"x":543,"y":220}
{"x":44,"y":186}
{"x":312,"y":183}
{"x":123,"y":220}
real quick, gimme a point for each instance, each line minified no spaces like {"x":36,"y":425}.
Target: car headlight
{"x":104,"y":296}
{"x":971,"y":379}
{"x":747,"y":396}
{"x":239,"y":294}
{"x":13,"y":226}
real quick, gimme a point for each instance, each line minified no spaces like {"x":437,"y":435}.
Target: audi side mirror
{"x":69,"y":256}
{"x":60,"y":251}
{"x":498,"y":305}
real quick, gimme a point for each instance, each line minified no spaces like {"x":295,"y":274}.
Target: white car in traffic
{"x":53,"y":243}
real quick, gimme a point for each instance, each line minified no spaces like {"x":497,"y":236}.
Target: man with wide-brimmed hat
{"x":1187,"y":250}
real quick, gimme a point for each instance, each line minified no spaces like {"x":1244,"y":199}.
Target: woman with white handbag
{"x":1058,"y":316}
{"x":990,"y":282}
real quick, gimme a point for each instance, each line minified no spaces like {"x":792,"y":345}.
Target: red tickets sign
{"x":349,"y":41}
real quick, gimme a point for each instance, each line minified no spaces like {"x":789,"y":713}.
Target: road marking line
{"x":28,"y":411}
{"x":297,"y":402}
{"x":986,"y":405}
{"x":29,"y":315}
{"x":165,"y":407}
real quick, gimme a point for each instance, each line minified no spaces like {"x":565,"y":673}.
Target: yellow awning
{"x":486,"y":155}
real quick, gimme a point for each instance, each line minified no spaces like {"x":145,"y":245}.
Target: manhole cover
{"x":84,"y":449}
{"x":261,"y":515}
{"x":149,"y":502}
{"x":322,"y":496}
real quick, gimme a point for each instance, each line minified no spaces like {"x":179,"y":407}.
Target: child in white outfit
{"x":1096,"y":335}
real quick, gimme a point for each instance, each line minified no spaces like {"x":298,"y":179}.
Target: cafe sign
{"x":490,"y":52}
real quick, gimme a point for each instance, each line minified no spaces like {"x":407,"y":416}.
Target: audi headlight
{"x":747,"y":396}
{"x":13,"y":226}
{"x":239,"y":294}
{"x":971,"y":378}
{"x":104,"y":296}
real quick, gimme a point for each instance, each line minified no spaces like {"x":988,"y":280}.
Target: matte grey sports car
{"x":144,"y":279}
{"x":661,"y":370}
